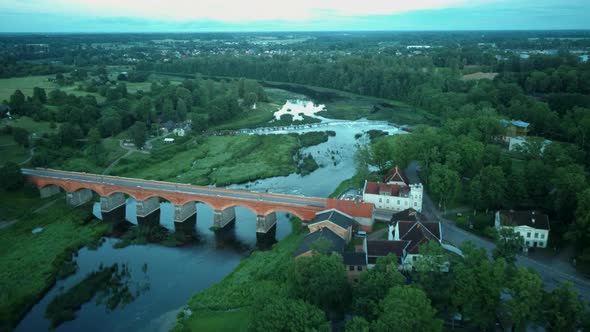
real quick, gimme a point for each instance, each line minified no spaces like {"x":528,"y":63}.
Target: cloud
{"x":230,"y":10}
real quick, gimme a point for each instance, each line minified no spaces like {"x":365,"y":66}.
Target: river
{"x":175,"y":274}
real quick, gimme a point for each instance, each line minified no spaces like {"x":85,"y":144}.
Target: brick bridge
{"x":79,"y":188}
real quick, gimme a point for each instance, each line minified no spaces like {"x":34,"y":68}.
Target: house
{"x":395,"y":193}
{"x":4,"y":110}
{"x":361,"y":212}
{"x":532,"y":225}
{"x":524,"y":143}
{"x":514,"y":128}
{"x":355,"y":263}
{"x":336,"y":242}
{"x":411,"y":226}
{"x":168,"y":140}
{"x":178,"y":131}
{"x":337,"y":221}
{"x":382,"y":248}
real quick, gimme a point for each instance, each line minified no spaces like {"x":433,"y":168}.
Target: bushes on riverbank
{"x":30,"y":262}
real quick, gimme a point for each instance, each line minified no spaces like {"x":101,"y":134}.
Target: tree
{"x":431,"y":273}
{"x":138,"y":134}
{"x":168,"y":110}
{"x":477,"y":286}
{"x":381,"y":155}
{"x":279,"y":314}
{"x":568,"y":182}
{"x":357,"y":324}
{"x":508,"y":244}
{"x":407,"y":309}
{"x":143,"y":110}
{"x":39,"y":95}
{"x":96,"y":149}
{"x":250,"y":99}
{"x":561,"y":308}
{"x":11,"y":177}
{"x":493,"y":186}
{"x":526,"y":290}
{"x":21,"y":136}
{"x":444,"y":183}
{"x":17,"y":101}
{"x":373,"y":286}
{"x":320,"y":280}
{"x":181,"y":110}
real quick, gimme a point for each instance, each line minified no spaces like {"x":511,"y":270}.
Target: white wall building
{"x":533,"y":226}
{"x":396,"y":193}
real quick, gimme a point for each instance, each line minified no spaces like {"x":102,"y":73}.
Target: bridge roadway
{"x":178,"y":188}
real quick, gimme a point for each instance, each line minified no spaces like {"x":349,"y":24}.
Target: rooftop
{"x":352,"y":208}
{"x":382,"y":248}
{"x":531,"y":218}
{"x":378,"y":188}
{"x":408,"y":215}
{"x":341,"y":219}
{"x":354,"y":258}
{"x":337,"y":242}
{"x":396,"y":175}
{"x":517,"y":123}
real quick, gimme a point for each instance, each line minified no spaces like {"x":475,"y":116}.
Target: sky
{"x":291,"y":15}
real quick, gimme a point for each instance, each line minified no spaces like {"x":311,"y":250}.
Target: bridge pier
{"x":148,"y":212}
{"x":184,"y":212}
{"x":112,"y":207}
{"x":49,"y":191}
{"x":79,"y":197}
{"x":265,"y":223}
{"x":222,"y":218}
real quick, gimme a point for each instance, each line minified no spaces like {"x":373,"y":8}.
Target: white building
{"x":178,"y":131}
{"x":396,"y":193}
{"x":533,"y":226}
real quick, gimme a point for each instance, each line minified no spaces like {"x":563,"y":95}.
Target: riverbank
{"x":225,"y":306}
{"x":31,"y":262}
{"x":221,"y":160}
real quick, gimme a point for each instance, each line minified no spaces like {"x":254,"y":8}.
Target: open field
{"x":30,"y":262}
{"x":216,"y":160}
{"x":33,"y":127}
{"x":26,"y":85}
{"x":10,"y":151}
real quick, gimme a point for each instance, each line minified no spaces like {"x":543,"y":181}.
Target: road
{"x":551,"y":275}
{"x":181,"y":188}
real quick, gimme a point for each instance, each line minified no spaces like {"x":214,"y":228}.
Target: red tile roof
{"x":378,"y":188}
{"x":352,"y":208}
{"x":396,"y":175}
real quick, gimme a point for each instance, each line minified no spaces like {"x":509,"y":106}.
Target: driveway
{"x":552,"y":274}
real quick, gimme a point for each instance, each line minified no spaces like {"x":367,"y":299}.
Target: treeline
{"x":81,"y":121}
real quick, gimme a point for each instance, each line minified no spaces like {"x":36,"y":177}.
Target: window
{"x":528,"y":235}
{"x":415,"y":204}
{"x":359,"y":268}
{"x":536,"y":235}
{"x":398,"y":202}
{"x":350,"y":268}
{"x":356,"y":280}
{"x":380,"y":199}
{"x":542,"y":235}
{"x":528,"y":244}
{"x":388,"y":201}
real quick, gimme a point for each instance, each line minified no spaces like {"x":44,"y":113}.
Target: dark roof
{"x":408,"y":215}
{"x":382,"y":248}
{"x":335,"y":217}
{"x":396,"y":175}
{"x":531,"y":218}
{"x":338,"y":243}
{"x":418,"y":233}
{"x":4,"y":108}
{"x":354,"y":258}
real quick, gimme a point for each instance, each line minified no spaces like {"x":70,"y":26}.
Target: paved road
{"x":551,"y":274}
{"x":174,"y":187}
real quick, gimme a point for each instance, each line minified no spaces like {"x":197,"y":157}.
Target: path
{"x":31,"y":154}
{"x":130,"y":150}
{"x":552,"y":275}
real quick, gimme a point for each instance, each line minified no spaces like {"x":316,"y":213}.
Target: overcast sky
{"x":289,"y":15}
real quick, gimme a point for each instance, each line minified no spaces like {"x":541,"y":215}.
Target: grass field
{"x":253,"y":278}
{"x":10,"y":151}
{"x":216,"y":160}
{"x":33,"y":127}
{"x":26,"y":85}
{"x":30,"y":261}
